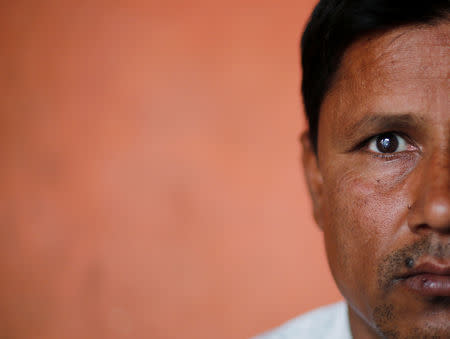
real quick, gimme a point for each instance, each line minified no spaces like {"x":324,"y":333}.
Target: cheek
{"x":364,"y":206}
{"x":367,"y":198}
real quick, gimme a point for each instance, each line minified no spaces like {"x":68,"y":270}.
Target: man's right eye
{"x":387,"y":143}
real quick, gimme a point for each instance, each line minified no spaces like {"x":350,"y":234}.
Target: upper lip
{"x":428,"y":268}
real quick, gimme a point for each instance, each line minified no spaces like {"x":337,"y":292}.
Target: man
{"x":376,"y":159}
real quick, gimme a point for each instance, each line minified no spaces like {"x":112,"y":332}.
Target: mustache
{"x":399,"y":261}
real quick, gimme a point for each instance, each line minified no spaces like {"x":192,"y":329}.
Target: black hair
{"x":335,"y":24}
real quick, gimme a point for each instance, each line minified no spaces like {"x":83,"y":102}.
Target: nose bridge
{"x":437,"y":176}
{"x":434,"y":191}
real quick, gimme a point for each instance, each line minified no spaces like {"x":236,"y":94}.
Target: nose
{"x":430,"y":209}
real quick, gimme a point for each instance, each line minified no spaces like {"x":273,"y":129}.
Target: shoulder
{"x":325,"y":322}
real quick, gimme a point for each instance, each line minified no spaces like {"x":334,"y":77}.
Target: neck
{"x":359,"y":327}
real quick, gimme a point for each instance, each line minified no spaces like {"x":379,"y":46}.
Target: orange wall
{"x":151,"y":185}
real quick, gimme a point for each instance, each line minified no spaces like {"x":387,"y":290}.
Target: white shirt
{"x":325,"y":322}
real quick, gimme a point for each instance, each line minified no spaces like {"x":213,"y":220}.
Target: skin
{"x":377,"y":211}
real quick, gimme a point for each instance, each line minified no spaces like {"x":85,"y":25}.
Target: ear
{"x":313,"y":177}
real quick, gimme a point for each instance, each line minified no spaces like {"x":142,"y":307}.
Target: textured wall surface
{"x":150,"y":179}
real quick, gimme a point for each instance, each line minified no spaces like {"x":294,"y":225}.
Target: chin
{"x":411,"y":330}
{"x":417,"y":318}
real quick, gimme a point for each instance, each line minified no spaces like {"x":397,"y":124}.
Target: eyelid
{"x":364,"y":144}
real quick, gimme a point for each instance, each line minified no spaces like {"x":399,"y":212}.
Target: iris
{"x":387,"y":143}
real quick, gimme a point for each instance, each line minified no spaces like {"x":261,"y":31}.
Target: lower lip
{"x":431,"y":285}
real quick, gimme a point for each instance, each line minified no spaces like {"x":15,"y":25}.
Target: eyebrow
{"x":385,"y":122}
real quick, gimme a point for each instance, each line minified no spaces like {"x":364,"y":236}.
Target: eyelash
{"x":387,"y":156}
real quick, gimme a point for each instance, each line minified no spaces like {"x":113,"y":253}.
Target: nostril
{"x":427,"y":228}
{"x":422,"y":227}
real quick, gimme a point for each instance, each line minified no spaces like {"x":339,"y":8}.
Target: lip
{"x":428,"y":279}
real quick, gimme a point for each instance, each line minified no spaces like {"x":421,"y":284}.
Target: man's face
{"x":381,"y":182}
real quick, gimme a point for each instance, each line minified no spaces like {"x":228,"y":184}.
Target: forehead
{"x":403,"y":70}
{"x":420,"y":52}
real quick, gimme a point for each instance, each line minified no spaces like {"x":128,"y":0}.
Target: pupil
{"x":387,"y":143}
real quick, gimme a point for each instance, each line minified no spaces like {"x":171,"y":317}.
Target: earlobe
{"x":313,"y":176}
